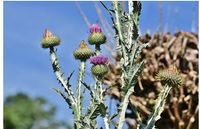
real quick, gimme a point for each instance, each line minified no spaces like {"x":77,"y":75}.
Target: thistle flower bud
{"x":96,"y":36}
{"x":170,"y":76}
{"x":98,"y":60}
{"x":99,"y":70}
{"x":99,"y":67}
{"x":83,"y":52}
{"x":49,"y":40}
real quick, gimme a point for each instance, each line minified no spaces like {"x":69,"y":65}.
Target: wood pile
{"x":181,"y":50}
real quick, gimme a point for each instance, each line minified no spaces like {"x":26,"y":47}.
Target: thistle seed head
{"x":170,"y":76}
{"x":83,"y":52}
{"x":49,"y":39}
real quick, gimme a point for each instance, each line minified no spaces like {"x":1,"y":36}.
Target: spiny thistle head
{"x":99,"y":70}
{"x":98,"y":60}
{"x":49,"y":39}
{"x":83,"y":52}
{"x":96,"y":36}
{"x":170,"y":76}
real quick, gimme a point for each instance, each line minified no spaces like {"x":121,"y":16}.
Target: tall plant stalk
{"x":100,"y":91}
{"x":101,"y":99}
{"x":79,"y":92}
{"x":59,"y":74}
{"x":71,"y":100}
{"x":126,"y":26}
{"x":158,"y":108}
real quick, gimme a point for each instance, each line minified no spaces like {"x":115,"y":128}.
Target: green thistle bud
{"x":97,"y":38}
{"x":49,"y":40}
{"x":99,"y":70}
{"x":170,"y":76}
{"x":83,"y":52}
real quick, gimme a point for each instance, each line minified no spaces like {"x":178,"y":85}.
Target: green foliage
{"x":23,"y":112}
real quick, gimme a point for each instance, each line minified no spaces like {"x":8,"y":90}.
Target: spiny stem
{"x":130,"y":32}
{"x":60,"y":78}
{"x":97,"y":49}
{"x":99,"y":90}
{"x":138,"y":117}
{"x":123,"y":107}
{"x":96,"y":100}
{"x":118,"y":26}
{"x":128,"y":46}
{"x":121,"y":39}
{"x":158,"y":108}
{"x":59,"y":75}
{"x":80,"y":79}
{"x":106,"y":121}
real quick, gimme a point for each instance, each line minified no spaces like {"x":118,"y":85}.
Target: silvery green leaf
{"x":67,"y":100}
{"x":139,"y":49}
{"x":135,"y":72}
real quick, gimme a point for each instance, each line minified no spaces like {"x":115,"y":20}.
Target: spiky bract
{"x":99,"y":70}
{"x":83,"y":52}
{"x":170,"y":77}
{"x":97,"y":38}
{"x":49,"y":40}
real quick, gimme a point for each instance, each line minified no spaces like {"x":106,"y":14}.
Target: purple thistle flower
{"x":95,"y":28}
{"x":97,"y":60}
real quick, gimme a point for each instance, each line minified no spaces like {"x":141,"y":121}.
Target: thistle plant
{"x":126,"y":25}
{"x":170,"y":78}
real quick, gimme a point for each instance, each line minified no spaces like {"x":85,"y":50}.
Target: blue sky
{"x":27,"y":66}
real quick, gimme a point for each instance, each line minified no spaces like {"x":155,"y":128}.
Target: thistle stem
{"x":59,"y":75}
{"x":158,"y":108}
{"x":79,"y":94}
{"x":97,"y":49}
{"x":123,"y":107}
{"x":106,"y":122}
{"x":100,"y":91}
{"x":118,"y":26}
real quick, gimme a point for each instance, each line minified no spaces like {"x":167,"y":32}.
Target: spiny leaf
{"x":70,"y":76}
{"x":98,"y":109}
{"x":88,"y":88}
{"x":139,"y":49}
{"x":113,"y":116}
{"x":158,"y":108}
{"x":63,"y":95}
{"x":133,"y":74}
